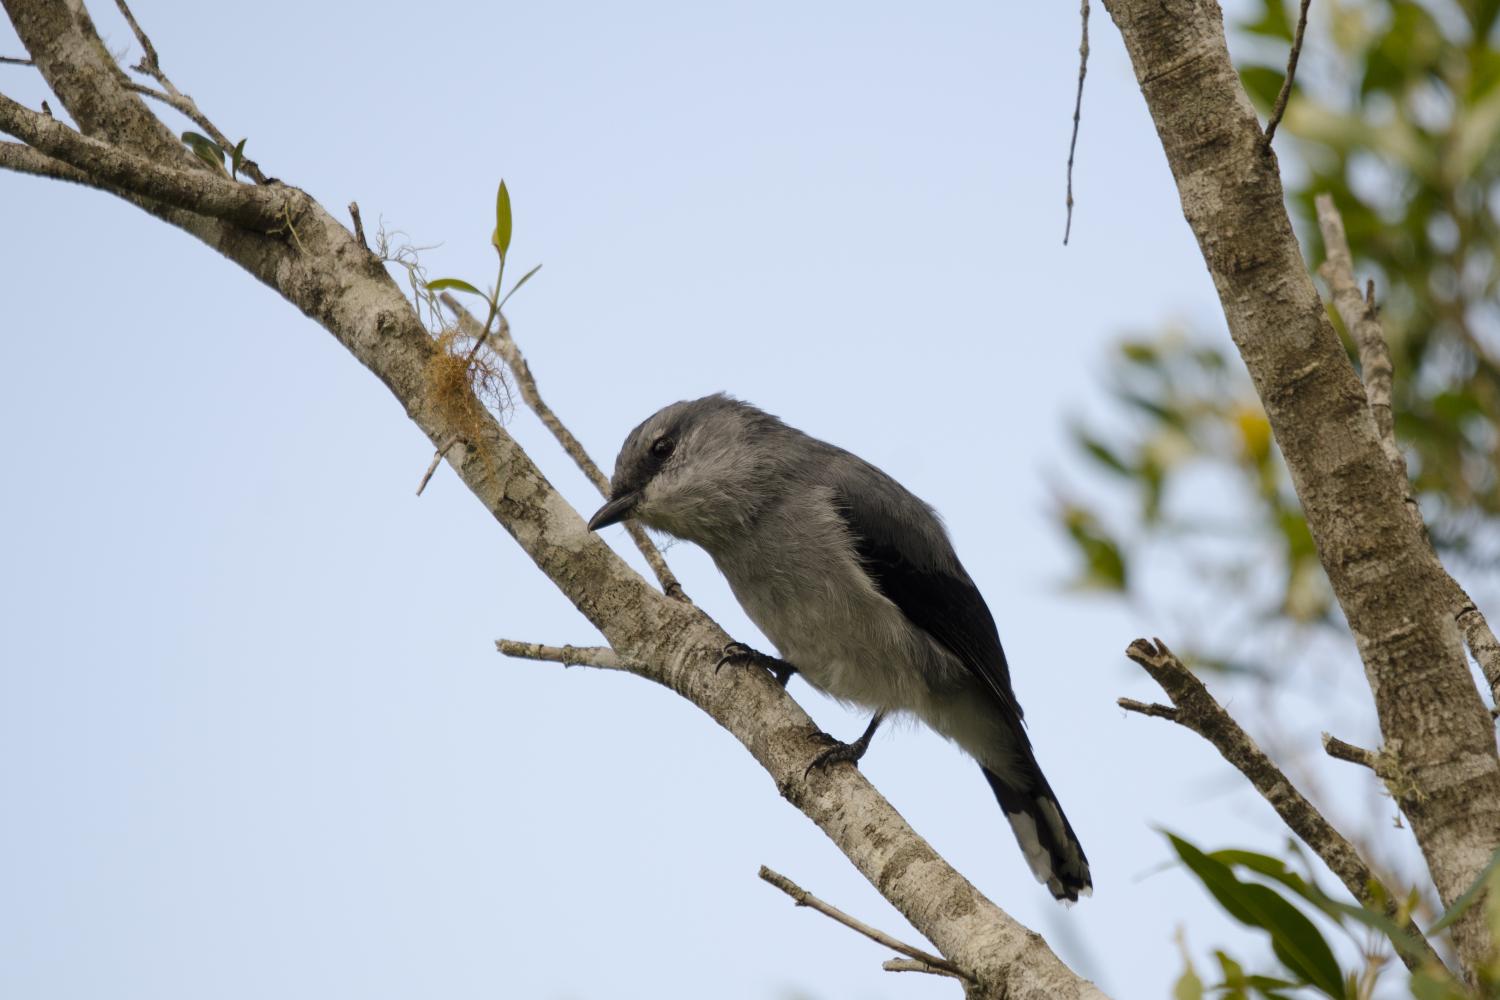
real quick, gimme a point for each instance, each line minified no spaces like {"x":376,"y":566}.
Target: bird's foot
{"x":738,"y":654}
{"x":841,"y":753}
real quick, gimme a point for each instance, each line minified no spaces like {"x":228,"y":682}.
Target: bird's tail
{"x":1048,"y":841}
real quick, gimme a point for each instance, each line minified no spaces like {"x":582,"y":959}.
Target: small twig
{"x":1339,"y":750}
{"x":1083,"y":68}
{"x":1291,"y":75}
{"x":437,"y":459}
{"x":569,"y":656}
{"x":13,"y":61}
{"x":1363,"y":323}
{"x":359,"y":225}
{"x":1147,"y":708}
{"x":149,"y":62}
{"x":1198,"y":711}
{"x":915,"y":965}
{"x":150,"y":65}
{"x":804,"y":898}
{"x":506,"y":347}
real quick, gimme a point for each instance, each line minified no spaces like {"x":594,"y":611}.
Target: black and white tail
{"x":1051,"y":848}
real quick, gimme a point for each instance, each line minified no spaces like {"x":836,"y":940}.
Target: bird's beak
{"x":617,"y":510}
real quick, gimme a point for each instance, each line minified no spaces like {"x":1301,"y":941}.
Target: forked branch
{"x":1194,"y":708}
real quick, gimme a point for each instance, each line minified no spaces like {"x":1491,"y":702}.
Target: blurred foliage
{"x":1396,"y":113}
{"x":1282,"y":903}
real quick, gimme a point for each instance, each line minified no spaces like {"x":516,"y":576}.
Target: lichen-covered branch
{"x":1196,"y":709}
{"x":1392,"y":595}
{"x":200,"y":191}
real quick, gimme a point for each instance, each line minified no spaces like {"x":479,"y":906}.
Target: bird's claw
{"x":738,"y":653}
{"x":838,"y":753}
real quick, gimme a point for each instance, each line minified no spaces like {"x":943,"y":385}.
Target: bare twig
{"x":359,"y":225}
{"x":437,"y":458}
{"x":916,"y":965}
{"x":150,"y":65}
{"x":569,"y":656}
{"x":198,"y":191}
{"x":1291,"y":75}
{"x":804,"y":898}
{"x":1147,"y":708}
{"x":1197,"y":710}
{"x":1339,"y":750}
{"x":1361,"y":320}
{"x":149,"y":62}
{"x":1363,"y":323}
{"x":13,"y":61}
{"x":506,"y":347}
{"x":1083,"y":68}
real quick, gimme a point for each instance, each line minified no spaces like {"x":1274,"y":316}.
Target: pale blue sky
{"x":254,"y":738}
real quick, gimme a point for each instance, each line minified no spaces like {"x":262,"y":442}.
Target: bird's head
{"x":695,"y":469}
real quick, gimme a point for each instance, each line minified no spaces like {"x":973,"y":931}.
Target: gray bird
{"x":854,"y":579}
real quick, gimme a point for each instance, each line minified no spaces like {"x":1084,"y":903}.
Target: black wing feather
{"x":939,"y":599}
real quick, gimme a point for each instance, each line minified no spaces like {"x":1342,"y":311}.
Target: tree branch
{"x":569,"y":656}
{"x":1358,"y":314}
{"x":802,"y":897}
{"x":1083,"y":68}
{"x":1197,"y":710}
{"x":1395,"y":602}
{"x":198,"y":191}
{"x":1349,"y":753}
{"x":1291,"y":75}
{"x":1363,"y":323}
{"x":916,"y":965}
{"x":508,"y":350}
{"x":150,"y":64}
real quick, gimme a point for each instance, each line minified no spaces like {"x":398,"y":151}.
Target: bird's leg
{"x":739,"y":654}
{"x":850,"y":752}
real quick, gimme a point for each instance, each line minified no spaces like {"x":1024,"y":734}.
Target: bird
{"x":856,"y":583}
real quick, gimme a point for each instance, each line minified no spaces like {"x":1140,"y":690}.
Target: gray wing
{"x":906,"y":552}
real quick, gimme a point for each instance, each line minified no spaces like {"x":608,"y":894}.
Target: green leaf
{"x":1263,"y":84}
{"x":501,"y":237}
{"x":237,"y":157}
{"x":457,"y":284}
{"x":1100,"y":452}
{"x":1189,"y":986}
{"x":1294,"y":938}
{"x":1274,"y":21}
{"x":206,"y":150}
{"x":1469,"y":898}
{"x":517,"y":286}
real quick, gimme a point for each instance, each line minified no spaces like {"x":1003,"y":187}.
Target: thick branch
{"x":196,"y":190}
{"x":1197,"y":710}
{"x":1395,"y":602}
{"x":506,"y":345}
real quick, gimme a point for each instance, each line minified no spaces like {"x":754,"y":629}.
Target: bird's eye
{"x":662,"y":447}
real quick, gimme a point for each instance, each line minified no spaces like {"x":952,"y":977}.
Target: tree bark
{"x":1430,"y":712}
